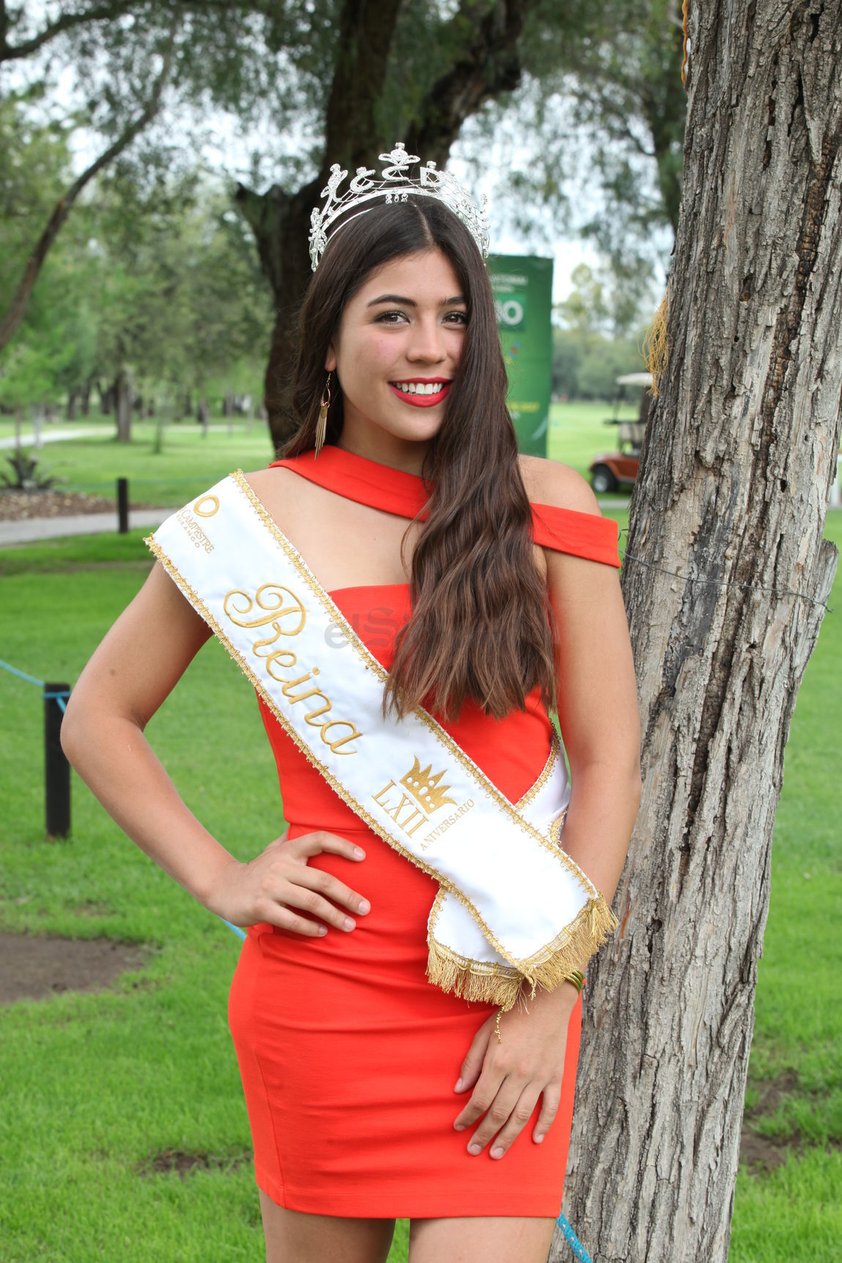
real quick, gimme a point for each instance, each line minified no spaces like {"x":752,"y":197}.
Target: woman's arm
{"x":597,"y":708}
{"x":129,"y":676}
{"x":597,"y":704}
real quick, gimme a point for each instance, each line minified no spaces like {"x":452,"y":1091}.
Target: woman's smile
{"x":396,"y":354}
{"x":422,"y":392}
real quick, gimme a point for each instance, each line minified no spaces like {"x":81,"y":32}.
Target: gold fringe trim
{"x":487,"y":982}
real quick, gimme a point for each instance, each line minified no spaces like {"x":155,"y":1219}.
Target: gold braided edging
{"x":470,"y":975}
{"x":489,"y":982}
{"x":544,"y":775}
{"x":198,"y":604}
{"x":368,"y":660}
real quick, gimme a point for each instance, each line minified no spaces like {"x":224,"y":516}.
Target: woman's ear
{"x":330,"y":359}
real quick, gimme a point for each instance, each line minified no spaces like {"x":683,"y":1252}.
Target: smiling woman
{"x":406,"y":1009}
{"x":393,"y":346}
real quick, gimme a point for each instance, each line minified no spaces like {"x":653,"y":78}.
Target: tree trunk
{"x":726,"y":580}
{"x":123,"y":405}
{"x":107,"y":398}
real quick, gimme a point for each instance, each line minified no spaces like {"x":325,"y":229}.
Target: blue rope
{"x":573,"y":1241}
{"x":30,"y":679}
{"x":59,"y":698}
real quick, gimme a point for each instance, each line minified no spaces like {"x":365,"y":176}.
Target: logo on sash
{"x":513,"y":906}
{"x":413,"y":800}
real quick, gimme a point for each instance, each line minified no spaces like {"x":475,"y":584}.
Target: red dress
{"x":348,"y":1054}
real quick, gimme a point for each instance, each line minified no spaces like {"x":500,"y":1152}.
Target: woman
{"x":378,"y":1084}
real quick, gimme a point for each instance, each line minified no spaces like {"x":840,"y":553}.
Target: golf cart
{"x":616,"y":471}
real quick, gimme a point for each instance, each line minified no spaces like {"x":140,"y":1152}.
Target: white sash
{"x":512,"y":904}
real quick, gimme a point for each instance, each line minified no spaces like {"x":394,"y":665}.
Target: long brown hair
{"x":480,"y":627}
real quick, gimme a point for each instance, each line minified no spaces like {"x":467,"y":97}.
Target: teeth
{"x":421,"y":388}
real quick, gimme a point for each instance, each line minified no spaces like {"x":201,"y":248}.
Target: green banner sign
{"x":523,"y":288}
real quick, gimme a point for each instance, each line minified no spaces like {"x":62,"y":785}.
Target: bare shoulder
{"x":550,"y":482}
{"x":263,"y":479}
{"x":276,"y":488}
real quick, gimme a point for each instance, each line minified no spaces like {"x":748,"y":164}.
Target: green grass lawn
{"x":189,"y":461}
{"x":98,"y":1089}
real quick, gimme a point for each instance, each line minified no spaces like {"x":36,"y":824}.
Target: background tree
{"x":595,"y":133}
{"x":14,"y":312}
{"x":594,"y":336}
{"x":313,"y":81}
{"x":726,"y":581}
{"x":183,"y":309}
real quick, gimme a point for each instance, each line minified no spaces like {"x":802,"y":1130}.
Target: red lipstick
{"x":425,"y":400}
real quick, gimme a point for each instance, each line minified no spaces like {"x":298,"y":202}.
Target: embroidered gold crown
{"x":396,"y":184}
{"x":425,"y":789}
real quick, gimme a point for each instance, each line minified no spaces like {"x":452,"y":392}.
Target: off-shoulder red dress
{"x":348,"y":1055}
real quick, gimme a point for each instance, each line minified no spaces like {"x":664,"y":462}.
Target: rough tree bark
{"x":725,"y":582}
{"x":354,"y":134}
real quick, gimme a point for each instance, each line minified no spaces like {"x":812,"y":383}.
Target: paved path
{"x":50,"y":436}
{"x":27,"y":530}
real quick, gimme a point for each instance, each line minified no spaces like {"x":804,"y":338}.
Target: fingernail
{"x":348,"y":924}
{"x":459,"y":1086}
{"x":364,"y":905}
{"x":322,"y":929}
{"x":474,"y":1149}
{"x":497,"y":1152}
{"x":539,"y":1140}
{"x":458,"y":1126}
{"x":359,"y":853}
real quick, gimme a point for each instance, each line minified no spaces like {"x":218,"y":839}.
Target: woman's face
{"x":398,"y":348}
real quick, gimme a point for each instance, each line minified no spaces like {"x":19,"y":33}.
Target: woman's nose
{"x":427,"y":342}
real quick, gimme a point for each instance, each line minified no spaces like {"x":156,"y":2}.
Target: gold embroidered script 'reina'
{"x":512,"y":905}
{"x":281,"y":611}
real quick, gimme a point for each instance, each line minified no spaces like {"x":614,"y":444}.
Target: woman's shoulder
{"x":565,"y":515}
{"x":548,"y":482}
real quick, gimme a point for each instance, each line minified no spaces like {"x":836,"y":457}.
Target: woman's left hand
{"x":508,"y":1076}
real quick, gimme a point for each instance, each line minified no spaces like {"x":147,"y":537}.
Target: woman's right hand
{"x":278,"y":885}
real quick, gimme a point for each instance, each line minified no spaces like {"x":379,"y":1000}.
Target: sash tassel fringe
{"x":500,"y":985}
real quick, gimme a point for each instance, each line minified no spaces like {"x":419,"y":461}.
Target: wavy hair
{"x":480,"y":628}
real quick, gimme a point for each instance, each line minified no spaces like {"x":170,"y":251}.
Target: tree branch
{"x":366,"y":32}
{"x":107,"y":12}
{"x":490,"y":65}
{"x":20,"y":302}
{"x":67,"y":21}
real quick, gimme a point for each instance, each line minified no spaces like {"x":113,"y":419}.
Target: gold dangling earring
{"x":321,"y":424}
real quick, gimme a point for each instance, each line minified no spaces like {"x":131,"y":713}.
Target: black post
{"x":123,"y":506}
{"x":56,"y":767}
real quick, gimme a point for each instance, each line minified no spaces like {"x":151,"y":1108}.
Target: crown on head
{"x":425,"y":789}
{"x":396,"y":184}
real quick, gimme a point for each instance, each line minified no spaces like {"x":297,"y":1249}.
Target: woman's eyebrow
{"x":410,"y":302}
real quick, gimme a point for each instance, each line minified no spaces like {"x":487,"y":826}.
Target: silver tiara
{"x":396,"y":184}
